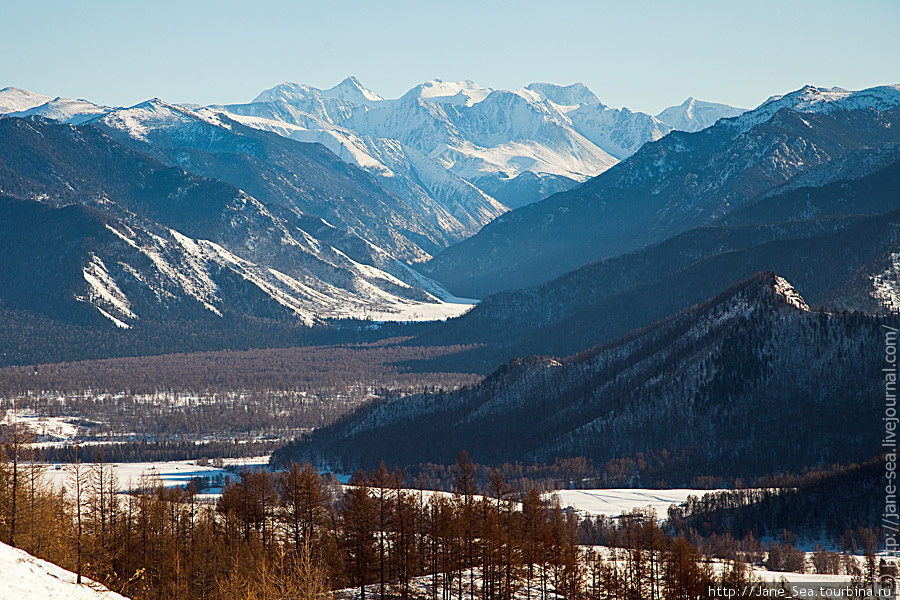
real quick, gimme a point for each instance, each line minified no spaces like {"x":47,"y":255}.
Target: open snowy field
{"x":170,"y":473}
{"x":614,"y":502}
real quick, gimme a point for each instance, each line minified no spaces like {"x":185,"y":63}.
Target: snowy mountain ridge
{"x":683,"y":180}
{"x":350,"y":89}
{"x":555,"y":136}
{"x":468,"y":150}
{"x":158,"y":242}
{"x":694,"y":115}
{"x":815,"y":100}
{"x":13,"y":99}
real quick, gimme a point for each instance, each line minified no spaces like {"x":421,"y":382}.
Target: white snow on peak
{"x":289,"y":91}
{"x":784,"y":289}
{"x":14,"y":99}
{"x":694,"y":115}
{"x":565,"y":95}
{"x":810,"y":99}
{"x":64,"y":110}
{"x":481,"y":137}
{"x":350,"y":89}
{"x":464,"y":93}
{"x":153,"y":114}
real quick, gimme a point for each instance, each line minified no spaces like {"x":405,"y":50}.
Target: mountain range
{"x":694,"y":287}
{"x":222,"y":214}
{"x":91,"y":222}
{"x":515,"y":147}
{"x":471,"y":149}
{"x":854,"y":222}
{"x":668,"y":186}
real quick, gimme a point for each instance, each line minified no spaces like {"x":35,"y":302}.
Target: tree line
{"x":297,"y":534}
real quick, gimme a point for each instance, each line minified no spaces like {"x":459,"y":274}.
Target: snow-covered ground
{"x":55,"y":428}
{"x":613,"y":502}
{"x":169,"y":473}
{"x":24,"y":577}
{"x":422,"y":586}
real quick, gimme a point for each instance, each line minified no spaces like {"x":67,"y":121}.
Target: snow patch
{"x":887,"y":285}
{"x":613,"y":502}
{"x":25,"y":577}
{"x":784,"y":289}
{"x":104,"y":295}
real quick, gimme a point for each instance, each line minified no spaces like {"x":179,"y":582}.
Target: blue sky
{"x":643,"y":55}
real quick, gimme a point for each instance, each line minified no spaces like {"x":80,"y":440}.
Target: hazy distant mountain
{"x":564,"y":95}
{"x":668,"y":186}
{"x":720,"y":388}
{"x":350,"y":89}
{"x":694,"y":115}
{"x":514,"y":146}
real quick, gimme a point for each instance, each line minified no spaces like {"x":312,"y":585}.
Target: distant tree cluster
{"x":217,"y":397}
{"x":157,"y":451}
{"x":839,"y":503}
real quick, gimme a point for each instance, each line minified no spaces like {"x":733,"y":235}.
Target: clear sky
{"x":640,"y":54}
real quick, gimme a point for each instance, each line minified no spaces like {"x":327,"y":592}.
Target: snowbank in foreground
{"x":24,"y":577}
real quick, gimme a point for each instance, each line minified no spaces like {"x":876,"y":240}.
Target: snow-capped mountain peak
{"x":349,"y":90}
{"x":289,"y":92}
{"x":65,"y":110}
{"x":694,"y":114}
{"x":13,"y":99}
{"x":811,"y":99}
{"x":564,"y":95}
{"x":464,"y":93}
{"x":354,"y":91}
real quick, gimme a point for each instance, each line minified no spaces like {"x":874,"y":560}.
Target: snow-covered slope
{"x":619,"y":132}
{"x":156,"y":242}
{"x":810,"y":99}
{"x":449,"y":201}
{"x":65,"y":111}
{"x":564,"y":95}
{"x":350,"y":89}
{"x":613,"y":502}
{"x":514,"y":145}
{"x":694,"y":115}
{"x":24,"y":577}
{"x":16,"y":99}
{"x":504,"y":134}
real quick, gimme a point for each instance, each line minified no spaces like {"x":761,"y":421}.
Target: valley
{"x":463,"y":342}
